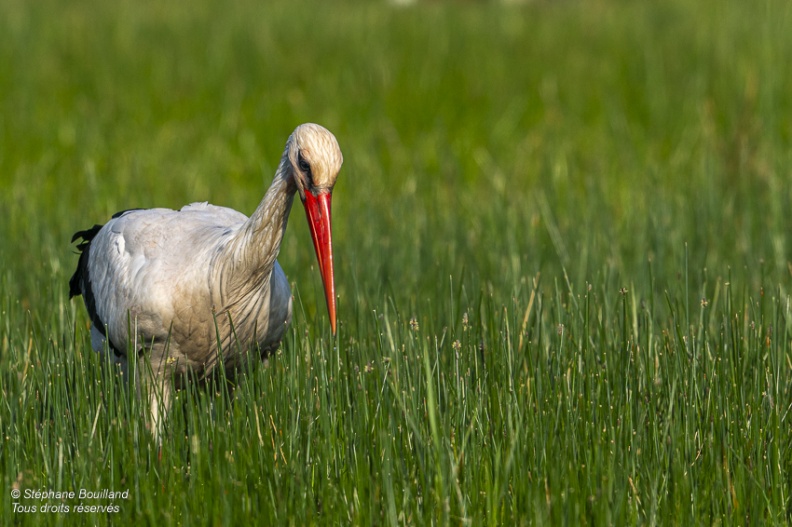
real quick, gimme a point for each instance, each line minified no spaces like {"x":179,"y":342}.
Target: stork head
{"x":315,"y":159}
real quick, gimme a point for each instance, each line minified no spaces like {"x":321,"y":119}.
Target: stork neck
{"x":256,"y":245}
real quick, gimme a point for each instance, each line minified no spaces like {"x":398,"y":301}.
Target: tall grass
{"x":561,"y":253}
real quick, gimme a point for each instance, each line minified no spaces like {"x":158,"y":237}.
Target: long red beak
{"x":317,"y":209}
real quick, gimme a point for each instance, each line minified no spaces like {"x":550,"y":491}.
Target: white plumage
{"x":184,"y":290}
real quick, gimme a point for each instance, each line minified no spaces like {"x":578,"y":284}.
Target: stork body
{"x":167,"y":281}
{"x":185,"y":290}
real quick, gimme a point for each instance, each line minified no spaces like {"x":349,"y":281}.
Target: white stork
{"x":185,"y":290}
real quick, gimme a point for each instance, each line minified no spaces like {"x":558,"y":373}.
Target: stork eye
{"x":304,"y":165}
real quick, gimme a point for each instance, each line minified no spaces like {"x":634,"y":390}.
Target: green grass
{"x":562,"y":254}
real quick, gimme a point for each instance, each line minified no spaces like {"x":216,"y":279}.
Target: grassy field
{"x":562,"y":251}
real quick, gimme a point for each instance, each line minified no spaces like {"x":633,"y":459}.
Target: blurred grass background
{"x":592,"y":135}
{"x":601,"y":146}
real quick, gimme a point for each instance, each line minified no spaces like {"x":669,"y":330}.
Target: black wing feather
{"x":80,"y":282}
